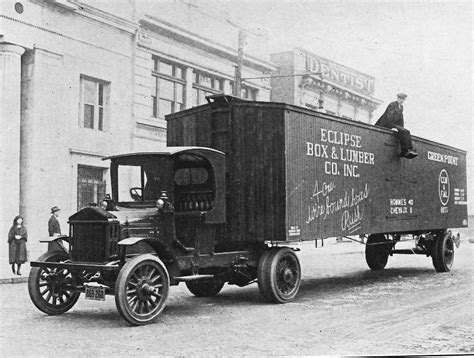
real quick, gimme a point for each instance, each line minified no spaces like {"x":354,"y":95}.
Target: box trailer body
{"x":293,"y":174}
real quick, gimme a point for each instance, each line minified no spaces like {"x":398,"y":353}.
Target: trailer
{"x":238,"y":183}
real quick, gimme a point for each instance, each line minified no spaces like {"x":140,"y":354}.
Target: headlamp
{"x":160,"y":203}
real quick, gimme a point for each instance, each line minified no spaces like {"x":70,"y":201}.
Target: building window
{"x":91,"y":186}
{"x":204,"y":85}
{"x":93,"y":105}
{"x":167,"y":90}
{"x":248,"y":93}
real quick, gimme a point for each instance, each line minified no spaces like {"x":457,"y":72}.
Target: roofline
{"x":173,"y":150}
{"x":209,"y":44}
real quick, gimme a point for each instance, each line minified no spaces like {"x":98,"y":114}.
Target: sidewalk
{"x":7,"y":276}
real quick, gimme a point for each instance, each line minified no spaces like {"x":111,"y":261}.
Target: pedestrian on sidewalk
{"x":54,"y":229}
{"x":17,"y":237}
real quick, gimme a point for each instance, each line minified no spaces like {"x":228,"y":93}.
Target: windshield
{"x":141,"y":180}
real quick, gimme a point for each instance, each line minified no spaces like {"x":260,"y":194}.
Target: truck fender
{"x":129,"y":241}
{"x":57,"y":243}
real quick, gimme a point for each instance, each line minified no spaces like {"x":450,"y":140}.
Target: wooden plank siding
{"x":274,"y":185}
{"x":253,"y":139}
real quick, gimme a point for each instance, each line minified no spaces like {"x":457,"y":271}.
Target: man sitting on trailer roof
{"x":393,"y":119}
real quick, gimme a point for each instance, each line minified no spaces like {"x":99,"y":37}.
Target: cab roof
{"x":165,"y":151}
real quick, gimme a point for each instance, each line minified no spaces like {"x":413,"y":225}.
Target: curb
{"x":13,"y":280}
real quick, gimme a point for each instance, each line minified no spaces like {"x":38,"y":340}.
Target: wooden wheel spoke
{"x":152,"y":303}
{"x":150,"y":273}
{"x":155,"y":279}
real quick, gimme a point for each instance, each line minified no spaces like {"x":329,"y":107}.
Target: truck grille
{"x":94,"y":242}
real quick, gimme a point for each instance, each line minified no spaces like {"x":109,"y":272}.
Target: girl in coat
{"x":17,"y":237}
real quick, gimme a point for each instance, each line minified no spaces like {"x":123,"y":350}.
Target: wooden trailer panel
{"x":347,"y":178}
{"x":295,"y":174}
{"x":252,"y":136}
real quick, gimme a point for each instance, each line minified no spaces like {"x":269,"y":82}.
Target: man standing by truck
{"x":393,"y":119}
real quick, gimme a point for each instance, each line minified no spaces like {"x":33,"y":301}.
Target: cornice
{"x":105,"y":17}
{"x":191,"y":39}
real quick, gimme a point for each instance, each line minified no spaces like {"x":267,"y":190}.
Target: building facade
{"x":81,"y":81}
{"x":308,"y":80}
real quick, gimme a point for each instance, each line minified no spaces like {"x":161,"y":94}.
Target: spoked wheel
{"x":443,"y":252}
{"x":50,"y":288}
{"x":376,"y":252}
{"x":279,"y":275}
{"x":141,"y":289}
{"x":205,"y":288}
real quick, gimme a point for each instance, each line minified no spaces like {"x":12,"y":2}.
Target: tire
{"x":279,"y":275}
{"x":376,"y":255}
{"x":142,"y":289}
{"x":48,"y":287}
{"x":443,"y":252}
{"x":205,"y":288}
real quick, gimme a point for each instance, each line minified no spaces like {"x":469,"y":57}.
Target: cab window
{"x":194,"y":184}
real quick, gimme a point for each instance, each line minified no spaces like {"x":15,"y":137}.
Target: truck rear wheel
{"x":141,"y":289}
{"x":443,"y":252}
{"x":376,"y":253}
{"x":50,"y":288}
{"x":279,"y":275}
{"x":205,"y":288}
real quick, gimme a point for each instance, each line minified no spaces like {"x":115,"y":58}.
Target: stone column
{"x":10,"y":114}
{"x":189,"y":87}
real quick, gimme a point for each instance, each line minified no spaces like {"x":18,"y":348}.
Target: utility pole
{"x":238,"y":67}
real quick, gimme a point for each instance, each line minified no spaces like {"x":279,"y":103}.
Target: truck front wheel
{"x":279,"y":275}
{"x":377,"y":251}
{"x":51,"y":289}
{"x":141,"y":289}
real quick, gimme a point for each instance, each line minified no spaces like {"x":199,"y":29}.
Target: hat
{"x":402,"y":95}
{"x":54,"y":209}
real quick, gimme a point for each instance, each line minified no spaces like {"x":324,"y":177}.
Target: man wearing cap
{"x":54,"y":228}
{"x":393,"y":119}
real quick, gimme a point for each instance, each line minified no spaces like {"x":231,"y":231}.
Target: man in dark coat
{"x":54,"y":229}
{"x":393,"y":119}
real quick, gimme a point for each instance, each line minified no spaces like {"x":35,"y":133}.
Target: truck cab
{"x":174,"y":197}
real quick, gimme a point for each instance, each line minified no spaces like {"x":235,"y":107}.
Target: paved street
{"x":342,"y":308}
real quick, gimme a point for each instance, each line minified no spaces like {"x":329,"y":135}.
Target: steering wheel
{"x":136,"y":193}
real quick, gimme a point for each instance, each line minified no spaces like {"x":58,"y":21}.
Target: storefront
{"x":314,"y":82}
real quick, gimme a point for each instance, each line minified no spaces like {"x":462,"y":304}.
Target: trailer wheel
{"x":205,"y":288}
{"x":376,"y":253}
{"x":141,"y":289}
{"x":443,"y":252}
{"x":50,"y":288}
{"x":279,"y":275}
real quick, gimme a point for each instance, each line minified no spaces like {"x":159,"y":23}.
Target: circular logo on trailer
{"x":443,"y":187}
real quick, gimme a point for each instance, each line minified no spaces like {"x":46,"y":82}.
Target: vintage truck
{"x":238,"y":183}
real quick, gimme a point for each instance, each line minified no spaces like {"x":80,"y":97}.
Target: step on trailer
{"x":237,"y":182}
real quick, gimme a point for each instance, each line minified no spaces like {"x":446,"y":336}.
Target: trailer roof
{"x":165,"y":151}
{"x":222,"y":100}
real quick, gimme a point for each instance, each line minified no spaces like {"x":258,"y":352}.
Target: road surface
{"x":342,"y":309}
